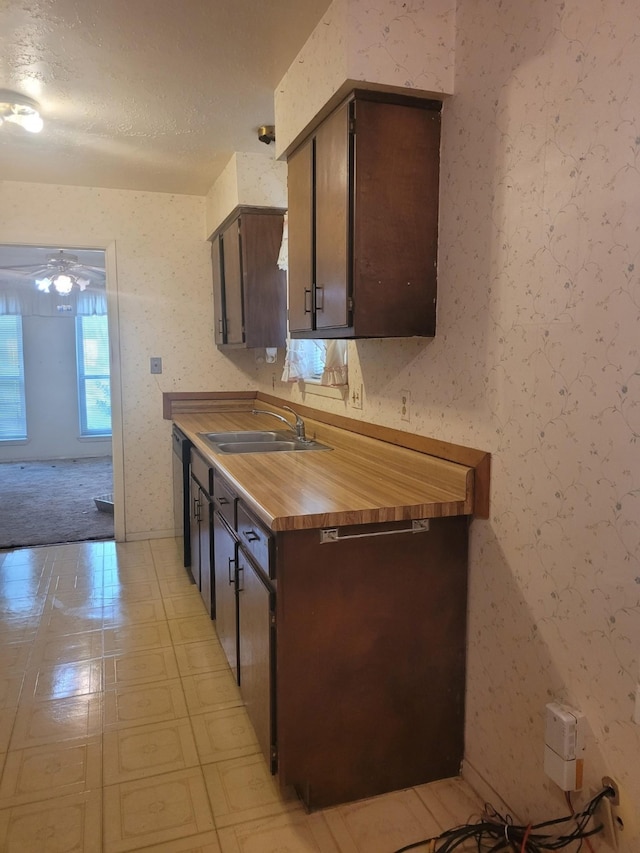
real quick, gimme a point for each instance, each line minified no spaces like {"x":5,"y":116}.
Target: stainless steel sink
{"x":258,"y":441}
{"x":249,"y":435}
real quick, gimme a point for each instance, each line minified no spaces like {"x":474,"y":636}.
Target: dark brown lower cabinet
{"x":350,"y":650}
{"x":200,"y":520}
{"x":194,"y":529}
{"x":370,"y":660}
{"x":225,"y":579}
{"x":256,"y":606}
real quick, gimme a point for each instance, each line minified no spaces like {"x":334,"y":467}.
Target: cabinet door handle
{"x":239,"y":587}
{"x":319,"y":298}
{"x":251,"y":536}
{"x":196,"y":509}
{"x":307,"y":301}
{"x":232,"y":562}
{"x":223,"y":501}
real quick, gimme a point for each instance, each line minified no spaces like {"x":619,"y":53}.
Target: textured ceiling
{"x":144,"y":94}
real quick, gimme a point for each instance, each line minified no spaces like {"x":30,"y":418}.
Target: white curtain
{"x":335,"y":364}
{"x":26,"y":299}
{"x":304,"y":360}
{"x":311,"y":359}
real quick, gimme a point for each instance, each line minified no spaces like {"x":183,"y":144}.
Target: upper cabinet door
{"x":363,"y":220}
{"x":300,"y":190}
{"x":233,"y":283}
{"x":219,"y":319}
{"x":332,"y":188}
{"x":264,"y":283}
{"x":249,"y":288}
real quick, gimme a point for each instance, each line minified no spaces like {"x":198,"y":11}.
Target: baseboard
{"x":150,"y":534}
{"x":484,"y":790}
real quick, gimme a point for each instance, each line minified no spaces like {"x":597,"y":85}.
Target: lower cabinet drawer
{"x":225,"y":499}
{"x":201,"y":471}
{"x":255,"y":538}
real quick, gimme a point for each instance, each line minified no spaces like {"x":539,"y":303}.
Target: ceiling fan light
{"x":31,"y":122}
{"x":21,"y":110}
{"x":43,"y":284}
{"x":62,"y":283}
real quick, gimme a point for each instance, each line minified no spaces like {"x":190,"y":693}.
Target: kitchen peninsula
{"x":340,"y":592}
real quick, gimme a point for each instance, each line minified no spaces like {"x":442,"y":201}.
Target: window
{"x":316,"y":361}
{"x":94,"y":392}
{"x":13,"y":417}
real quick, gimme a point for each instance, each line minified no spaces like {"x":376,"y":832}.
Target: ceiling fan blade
{"x":100,"y":270}
{"x":27,"y":267}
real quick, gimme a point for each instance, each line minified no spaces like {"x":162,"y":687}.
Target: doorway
{"x":57,"y":463}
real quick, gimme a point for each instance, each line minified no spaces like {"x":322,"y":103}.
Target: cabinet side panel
{"x":371,"y":661}
{"x":300,"y":219}
{"x":264,"y":284}
{"x":397,"y":151}
{"x":233,"y":284}
{"x":332,"y":220}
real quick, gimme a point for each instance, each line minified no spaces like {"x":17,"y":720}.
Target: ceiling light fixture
{"x":21,"y":110}
{"x":62,"y":282}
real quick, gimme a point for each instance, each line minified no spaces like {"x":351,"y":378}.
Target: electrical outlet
{"x":616,"y":815}
{"x":356,"y":397}
{"x":155,"y":364}
{"x":405,"y":407}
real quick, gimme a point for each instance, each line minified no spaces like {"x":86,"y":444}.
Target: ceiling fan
{"x":62,"y":271}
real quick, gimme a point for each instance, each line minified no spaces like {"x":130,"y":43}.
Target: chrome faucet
{"x":299,"y":425}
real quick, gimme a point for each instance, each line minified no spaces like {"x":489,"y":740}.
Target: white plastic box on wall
{"x":564,"y":746}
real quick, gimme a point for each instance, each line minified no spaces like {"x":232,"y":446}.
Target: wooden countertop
{"x":362,"y":480}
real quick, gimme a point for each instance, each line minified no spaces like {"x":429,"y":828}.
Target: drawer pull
{"x":251,"y":536}
{"x":332,"y":534}
{"x":222,"y":501}
{"x":232,"y":562}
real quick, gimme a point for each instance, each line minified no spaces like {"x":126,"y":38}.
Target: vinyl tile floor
{"x":122,"y":729}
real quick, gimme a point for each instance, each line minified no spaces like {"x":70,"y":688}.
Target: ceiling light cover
{"x":21,"y":110}
{"x":62,"y":282}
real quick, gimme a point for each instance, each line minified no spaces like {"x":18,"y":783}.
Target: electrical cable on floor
{"x":567,"y":796}
{"x":494,"y":832}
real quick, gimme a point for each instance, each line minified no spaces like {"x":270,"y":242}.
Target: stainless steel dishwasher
{"x":181,"y":455}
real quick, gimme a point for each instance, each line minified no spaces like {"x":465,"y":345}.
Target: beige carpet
{"x":46,"y":503}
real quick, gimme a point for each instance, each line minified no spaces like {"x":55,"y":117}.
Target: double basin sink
{"x":258,"y":441}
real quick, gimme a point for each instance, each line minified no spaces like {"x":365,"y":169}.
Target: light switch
{"x":156,"y":364}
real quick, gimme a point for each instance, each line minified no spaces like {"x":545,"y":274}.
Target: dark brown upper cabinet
{"x":249,"y":290}
{"x":363,"y":220}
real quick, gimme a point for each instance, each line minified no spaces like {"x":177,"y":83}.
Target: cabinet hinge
{"x":352,"y":125}
{"x":272,"y":618}
{"x":350,"y":304}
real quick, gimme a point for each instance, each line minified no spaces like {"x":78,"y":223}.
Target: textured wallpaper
{"x":252,"y":179}
{"x":164,"y":291}
{"x":400,"y":43}
{"x":537,"y":359}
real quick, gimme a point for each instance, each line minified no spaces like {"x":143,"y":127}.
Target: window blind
{"x":94,"y":391}
{"x":13,"y":417}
